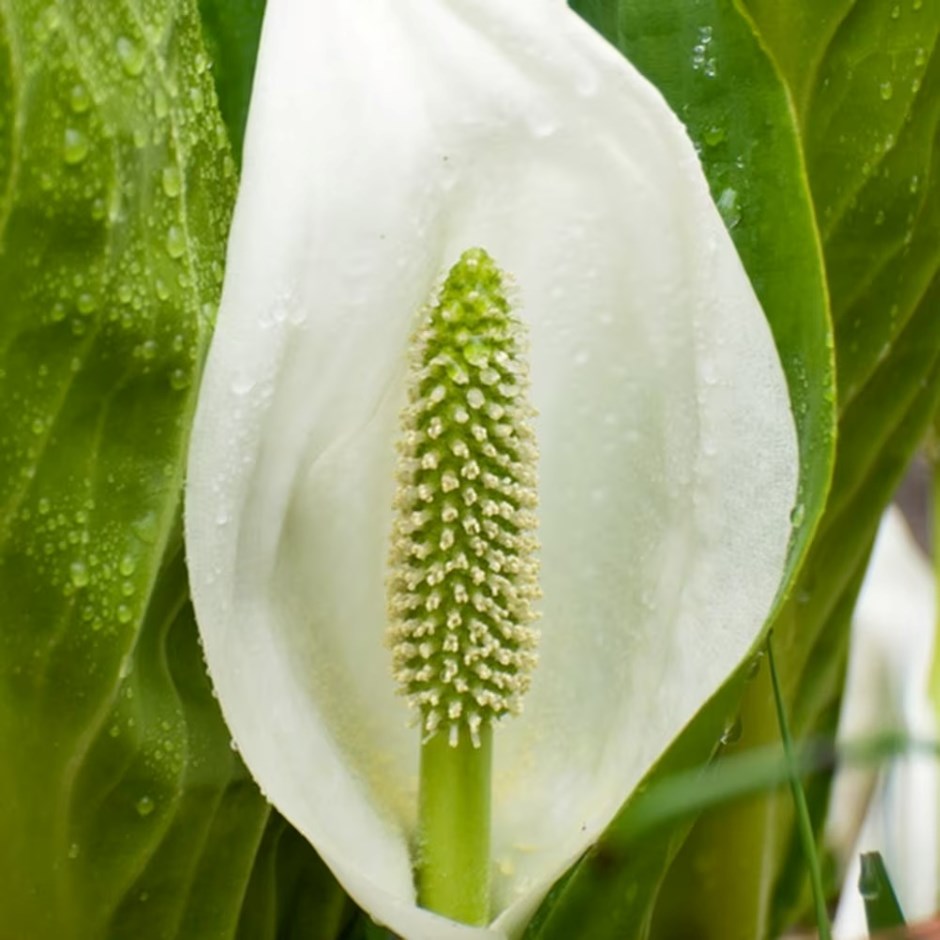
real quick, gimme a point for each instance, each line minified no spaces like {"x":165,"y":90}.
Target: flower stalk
{"x":453,"y":854}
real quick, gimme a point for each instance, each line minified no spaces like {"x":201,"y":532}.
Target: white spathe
{"x":886,"y":690}
{"x":385,"y":137}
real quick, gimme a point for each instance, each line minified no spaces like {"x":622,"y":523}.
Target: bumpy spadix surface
{"x":463,"y":565}
{"x":385,"y":138}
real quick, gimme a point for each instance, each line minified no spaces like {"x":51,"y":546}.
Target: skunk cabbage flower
{"x":886,"y":691}
{"x":387,"y":137}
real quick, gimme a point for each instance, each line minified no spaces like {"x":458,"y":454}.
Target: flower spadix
{"x":464,"y":565}
{"x":386,"y":138}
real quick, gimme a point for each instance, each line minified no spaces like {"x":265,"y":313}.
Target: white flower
{"x":887,"y":691}
{"x":385,"y":137}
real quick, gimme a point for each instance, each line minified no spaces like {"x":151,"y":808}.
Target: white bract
{"x":887,"y":691}
{"x":385,"y":137}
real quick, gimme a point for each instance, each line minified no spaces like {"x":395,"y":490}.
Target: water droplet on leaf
{"x":175,"y":243}
{"x":130,"y":56}
{"x":78,"y":572}
{"x":144,"y":806}
{"x":79,"y":99}
{"x":75,"y":146}
{"x":171,"y":181}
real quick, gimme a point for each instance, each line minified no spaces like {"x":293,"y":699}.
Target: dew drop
{"x":714,"y":135}
{"x":74,"y":850}
{"x":732,"y":732}
{"x":130,"y":56}
{"x":242,"y":385}
{"x":79,"y":99}
{"x":144,"y":806}
{"x":175,"y":243}
{"x":728,"y":207}
{"x":124,"y":614}
{"x":78,"y":572}
{"x":75,"y":146}
{"x":798,"y":514}
{"x":887,"y":91}
{"x":753,"y":667}
{"x":171,"y":181}
{"x":86,"y":303}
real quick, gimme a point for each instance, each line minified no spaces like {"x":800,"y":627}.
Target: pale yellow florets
{"x":464,"y":568}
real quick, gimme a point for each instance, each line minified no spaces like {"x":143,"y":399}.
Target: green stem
{"x":803,"y":821}
{"x":453,"y":870}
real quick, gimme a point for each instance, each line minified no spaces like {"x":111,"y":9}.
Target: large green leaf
{"x":865,"y":82}
{"x":123,"y":810}
{"x":714,"y":72}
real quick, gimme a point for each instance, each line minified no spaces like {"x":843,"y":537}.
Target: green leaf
{"x":123,"y":810}
{"x":232,"y":31}
{"x":697,"y":55}
{"x":292,"y":895}
{"x":864,"y":80}
{"x":882,"y":911}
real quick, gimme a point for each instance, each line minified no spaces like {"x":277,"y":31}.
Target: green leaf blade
{"x":123,"y":811}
